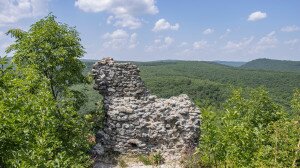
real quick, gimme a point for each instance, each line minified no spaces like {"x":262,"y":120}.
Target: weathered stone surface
{"x":137,"y":121}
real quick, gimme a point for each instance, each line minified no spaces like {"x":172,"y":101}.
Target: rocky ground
{"x":137,"y":164}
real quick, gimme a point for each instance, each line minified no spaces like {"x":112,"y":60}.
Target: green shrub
{"x":37,"y":131}
{"x":145,"y":159}
{"x":251,"y":131}
{"x":40,"y":124}
{"x":157,"y":159}
{"x":151,"y":159}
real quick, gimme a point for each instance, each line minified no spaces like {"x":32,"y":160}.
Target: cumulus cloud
{"x":123,"y":13}
{"x":12,"y":11}
{"x":120,"y":39}
{"x":200,"y":44}
{"x":133,"y":40}
{"x":238,"y":46}
{"x":258,"y":15}
{"x":225,"y":34}
{"x":162,"y":24}
{"x":160,"y":43}
{"x":124,"y":21}
{"x":268,"y":41}
{"x":248,"y":45}
{"x":208,"y":31}
{"x":290,"y":28}
{"x":183,"y":44}
{"x":168,"y":41}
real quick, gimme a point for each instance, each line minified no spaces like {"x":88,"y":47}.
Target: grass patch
{"x":152,"y":159}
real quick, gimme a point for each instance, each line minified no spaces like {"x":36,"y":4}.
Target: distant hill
{"x":231,"y":63}
{"x":274,"y":65}
{"x":210,"y":82}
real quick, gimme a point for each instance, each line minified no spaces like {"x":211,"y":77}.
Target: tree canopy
{"x":40,"y":124}
{"x":53,"y":49}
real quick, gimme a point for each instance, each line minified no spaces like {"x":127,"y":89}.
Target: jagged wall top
{"x":137,"y":122}
{"x":118,"y":79}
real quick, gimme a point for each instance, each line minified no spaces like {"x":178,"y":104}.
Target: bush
{"x":40,"y":124}
{"x":157,"y":159}
{"x":152,"y":159}
{"x":252,"y":131}
{"x":146,"y":160}
{"x":37,"y":131}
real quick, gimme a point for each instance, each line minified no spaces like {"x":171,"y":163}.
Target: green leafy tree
{"x":251,"y":131}
{"x":53,"y":49}
{"x":40,"y":123}
{"x":296,"y":122}
{"x":296,"y":103}
{"x":33,"y":133}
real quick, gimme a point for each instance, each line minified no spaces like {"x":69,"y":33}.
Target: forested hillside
{"x":274,"y":65}
{"x":210,"y":83}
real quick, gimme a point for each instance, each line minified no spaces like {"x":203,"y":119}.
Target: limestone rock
{"x":137,"y":121}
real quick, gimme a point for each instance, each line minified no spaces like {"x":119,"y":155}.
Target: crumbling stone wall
{"x":137,"y":121}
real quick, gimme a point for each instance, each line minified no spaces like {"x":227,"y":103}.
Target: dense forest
{"x":210,"y":83}
{"x":274,"y":65}
{"x":49,"y":112}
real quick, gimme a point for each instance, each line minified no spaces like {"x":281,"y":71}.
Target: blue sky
{"x":143,"y":30}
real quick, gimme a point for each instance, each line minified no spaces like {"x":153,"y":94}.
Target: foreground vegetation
{"x":251,"y":131}
{"x":40,"y":124}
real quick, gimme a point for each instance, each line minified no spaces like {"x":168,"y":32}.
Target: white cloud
{"x":118,"y":34}
{"x":160,"y":44}
{"x":168,"y":41}
{"x":258,"y":15}
{"x":200,"y":44}
{"x":290,"y":29}
{"x":124,"y":20}
{"x":292,"y":42}
{"x":118,"y":6}
{"x":208,"y":31}
{"x":183,"y":44}
{"x":237,"y":46}
{"x":162,"y":24}
{"x":225,"y":34}
{"x":120,"y":39}
{"x":248,"y":45}
{"x":124,"y":13}
{"x":133,"y":41}
{"x":12,"y":11}
{"x":110,"y":19}
{"x":268,"y":41}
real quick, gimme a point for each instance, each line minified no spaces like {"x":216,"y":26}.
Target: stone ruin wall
{"x":138,"y":122}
